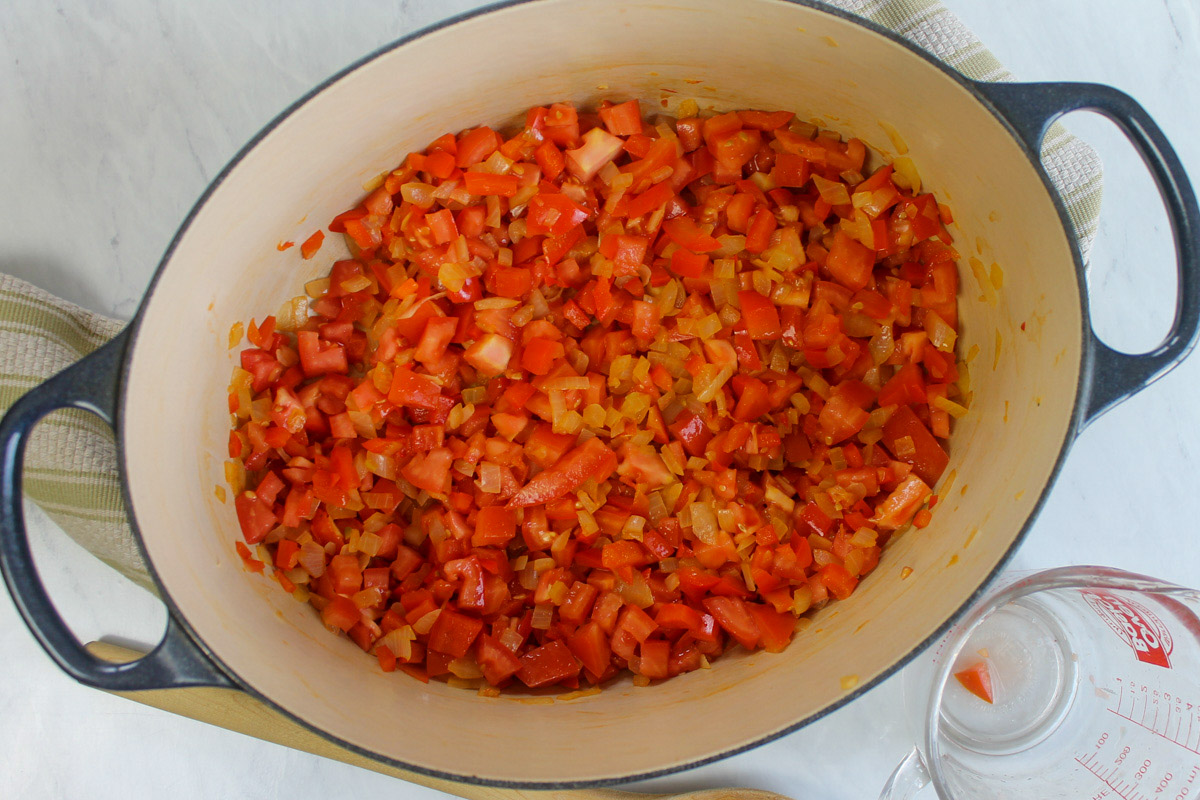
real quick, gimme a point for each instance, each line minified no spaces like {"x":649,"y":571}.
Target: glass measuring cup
{"x":1095,"y":675}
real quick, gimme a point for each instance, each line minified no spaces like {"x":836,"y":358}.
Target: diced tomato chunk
{"x":454,"y":633}
{"x":551,"y":663}
{"x":977,"y":679}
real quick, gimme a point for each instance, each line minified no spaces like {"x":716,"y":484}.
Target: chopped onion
{"x":832,"y":192}
{"x":399,"y":641}
{"x":906,"y":175}
{"x":543,"y":615}
{"x":419,"y":194}
{"x":381,"y":465}
{"x":567,"y":384}
{"x":637,"y":593}
{"x":882,"y":345}
{"x":368,"y":598}
{"x":511,"y":639}
{"x":490,"y":477}
{"x":314,"y":289}
{"x":312,"y":559}
{"x":940,"y":333}
{"x":864,"y":537}
{"x":369,"y":543}
{"x":775,"y":496}
{"x":952,"y":408}
{"x":355,"y":284}
{"x":465,"y":668}
{"x":709,"y":380}
{"x":731,"y":245}
{"x":801,"y":600}
{"x":528,"y":578}
{"x":496,"y":302}
{"x":425,"y":624}
{"x":704,"y":522}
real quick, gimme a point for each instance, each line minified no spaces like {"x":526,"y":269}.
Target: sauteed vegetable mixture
{"x":609,"y":393}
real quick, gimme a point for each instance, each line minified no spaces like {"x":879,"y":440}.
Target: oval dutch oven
{"x":161,"y":383}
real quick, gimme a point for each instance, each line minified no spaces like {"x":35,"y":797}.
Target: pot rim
{"x":1073,"y":428}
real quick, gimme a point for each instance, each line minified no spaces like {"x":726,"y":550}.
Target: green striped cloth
{"x":1072,"y":165}
{"x":70,"y":463}
{"x":71,"y":468}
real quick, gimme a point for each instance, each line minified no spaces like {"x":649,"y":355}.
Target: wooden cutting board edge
{"x":237,"y":711}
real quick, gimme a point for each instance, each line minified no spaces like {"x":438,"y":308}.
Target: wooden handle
{"x":238,"y":711}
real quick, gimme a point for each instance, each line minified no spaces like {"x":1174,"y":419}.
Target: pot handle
{"x":1110,"y":376}
{"x":91,"y":385}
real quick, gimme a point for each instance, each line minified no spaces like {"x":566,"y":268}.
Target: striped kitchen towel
{"x":71,"y":467}
{"x":1073,"y":166}
{"x":70,"y":462}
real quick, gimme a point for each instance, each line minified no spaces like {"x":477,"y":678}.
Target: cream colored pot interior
{"x":489,"y":69}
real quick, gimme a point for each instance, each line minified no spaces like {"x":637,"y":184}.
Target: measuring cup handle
{"x":909,"y":777}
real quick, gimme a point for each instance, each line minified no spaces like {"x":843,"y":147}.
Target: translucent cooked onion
{"x":399,"y":642}
{"x":528,"y":578}
{"x":465,"y":668}
{"x":453,"y":276}
{"x":704,"y":522}
{"x":292,"y":314}
{"x":882,"y":345}
{"x":419,"y":194}
{"x":731,"y":245}
{"x":367,"y":598}
{"x":637,"y":593}
{"x":543,"y":615}
{"x":511,"y":639}
{"x":949,"y":406}
{"x":312,"y":559}
{"x":425,"y":624}
{"x":709,"y":380}
{"x":906,"y":175}
{"x":490,"y":476}
{"x":567,"y":384}
{"x":864,"y":537}
{"x":941,"y":335}
{"x":832,"y":192}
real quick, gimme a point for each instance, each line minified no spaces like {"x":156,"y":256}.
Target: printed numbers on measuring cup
{"x":1136,"y":625}
{"x":1189,"y":784}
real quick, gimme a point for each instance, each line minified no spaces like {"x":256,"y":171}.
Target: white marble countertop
{"x":117,"y":114}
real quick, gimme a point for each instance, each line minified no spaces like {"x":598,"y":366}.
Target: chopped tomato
{"x":553,"y":214}
{"x":849,"y":262}
{"x":599,"y":148}
{"x":900,"y":506}
{"x":624,"y":119}
{"x":907,"y":438}
{"x":760,"y":315}
{"x":735,"y":618}
{"x":601,"y":393}
{"x":453,"y":633}
{"x":497,"y":661}
{"x":494,"y":527}
{"x":590,"y":645}
{"x":485,"y":183}
{"x":550,"y":663}
{"x":311,"y":245}
{"x":687,"y":234}
{"x":593,"y":459}
{"x":977,"y":679}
